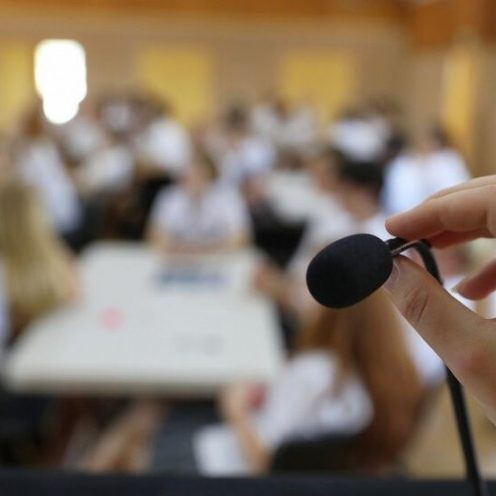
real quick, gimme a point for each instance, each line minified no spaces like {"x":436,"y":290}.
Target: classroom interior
{"x":166,"y":346}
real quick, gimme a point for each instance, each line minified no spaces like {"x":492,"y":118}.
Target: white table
{"x":140,"y":329}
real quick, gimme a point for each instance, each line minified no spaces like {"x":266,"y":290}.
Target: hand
{"x":452,"y":216}
{"x":464,"y":340}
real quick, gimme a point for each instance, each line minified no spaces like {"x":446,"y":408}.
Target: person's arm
{"x":158,"y":239}
{"x":72,"y":280}
{"x":463,"y":339}
{"x":238,"y":240}
{"x":276,"y":284}
{"x":236,"y":408}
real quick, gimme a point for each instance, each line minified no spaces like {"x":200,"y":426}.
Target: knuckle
{"x":416,"y":302}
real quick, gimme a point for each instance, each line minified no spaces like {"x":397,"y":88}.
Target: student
{"x":39,"y":163}
{"x":36,"y":277}
{"x":199,"y":215}
{"x":328,"y":222}
{"x":38,"y":273}
{"x":359,"y":190}
{"x":414,"y":176}
{"x":352,"y":375}
{"x":163,"y":146}
{"x":240,"y":153}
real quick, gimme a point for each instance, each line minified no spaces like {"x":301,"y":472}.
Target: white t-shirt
{"x":217,"y":216}
{"x":303,"y":402}
{"x":41,"y":167}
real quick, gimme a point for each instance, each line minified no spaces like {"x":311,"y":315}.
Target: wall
{"x":245,"y":58}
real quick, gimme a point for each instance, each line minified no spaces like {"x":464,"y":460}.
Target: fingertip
{"x":456,"y":289}
{"x":391,"y":223}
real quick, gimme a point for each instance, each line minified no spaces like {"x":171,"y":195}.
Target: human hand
{"x":453,"y":216}
{"x":464,"y":340}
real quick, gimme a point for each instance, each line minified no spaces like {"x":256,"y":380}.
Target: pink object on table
{"x":112,"y":318}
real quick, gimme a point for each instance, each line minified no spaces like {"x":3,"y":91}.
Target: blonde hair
{"x":36,"y":268}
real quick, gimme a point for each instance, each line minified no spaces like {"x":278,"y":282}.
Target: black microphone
{"x":352,"y":268}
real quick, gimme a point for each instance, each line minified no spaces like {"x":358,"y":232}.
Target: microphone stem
{"x":457,"y":397}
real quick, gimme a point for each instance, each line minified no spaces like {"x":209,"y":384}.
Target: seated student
{"x":38,"y":272}
{"x":415,"y":175}
{"x":39,"y":163}
{"x":36,"y":276}
{"x":359,"y":191}
{"x":199,"y":215}
{"x":329,"y":222}
{"x":351,"y":376}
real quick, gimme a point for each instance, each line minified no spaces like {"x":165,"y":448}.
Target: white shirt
{"x":41,"y":166}
{"x":217,"y":216}
{"x":295,"y":131}
{"x":110,"y":169}
{"x":82,"y":136}
{"x":358,"y":139}
{"x":302,"y":403}
{"x":253,"y":156}
{"x":166,"y":144}
{"x":443,"y":169}
{"x":412,"y":178}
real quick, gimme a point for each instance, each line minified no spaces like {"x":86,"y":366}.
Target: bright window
{"x":60,"y":77}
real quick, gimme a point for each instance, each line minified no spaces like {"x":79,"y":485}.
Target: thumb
{"x":445,"y":323}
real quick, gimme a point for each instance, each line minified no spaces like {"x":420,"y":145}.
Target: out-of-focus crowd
{"x":99,"y":175}
{"x":268,"y":175}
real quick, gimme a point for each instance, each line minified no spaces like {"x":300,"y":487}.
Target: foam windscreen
{"x":349,"y":270}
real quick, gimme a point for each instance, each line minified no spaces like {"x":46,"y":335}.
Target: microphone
{"x":352,"y":268}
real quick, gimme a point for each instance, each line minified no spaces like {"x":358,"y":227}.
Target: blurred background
{"x":167,"y":171}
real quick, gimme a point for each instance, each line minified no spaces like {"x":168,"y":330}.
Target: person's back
{"x":38,"y":272}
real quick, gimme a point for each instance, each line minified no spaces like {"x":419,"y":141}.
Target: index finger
{"x":458,"y":212}
{"x":477,"y":182}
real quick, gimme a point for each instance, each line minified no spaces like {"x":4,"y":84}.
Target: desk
{"x":147,"y":325}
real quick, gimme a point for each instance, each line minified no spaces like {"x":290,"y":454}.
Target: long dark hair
{"x":368,"y":340}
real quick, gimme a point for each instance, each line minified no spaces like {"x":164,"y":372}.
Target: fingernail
{"x":456,"y":288}
{"x":389,"y":284}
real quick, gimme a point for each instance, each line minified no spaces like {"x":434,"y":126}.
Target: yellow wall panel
{"x":16,"y":81}
{"x":181,"y":75}
{"x":324,"y":79}
{"x":460,"y":90}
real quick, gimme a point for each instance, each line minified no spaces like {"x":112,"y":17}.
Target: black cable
{"x":457,"y":397}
